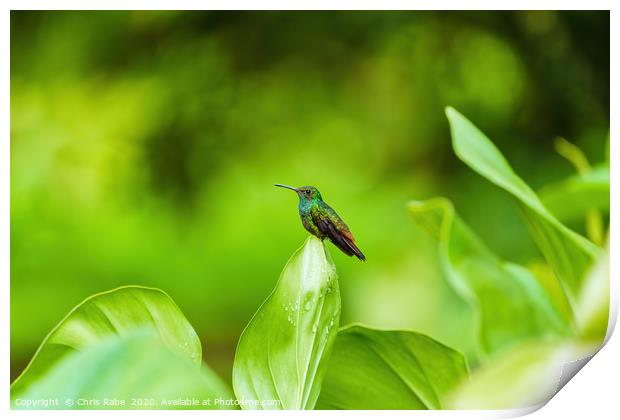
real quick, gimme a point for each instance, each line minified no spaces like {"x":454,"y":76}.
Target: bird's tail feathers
{"x":348,"y":247}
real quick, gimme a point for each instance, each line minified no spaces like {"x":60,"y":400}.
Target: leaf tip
{"x":452,"y":114}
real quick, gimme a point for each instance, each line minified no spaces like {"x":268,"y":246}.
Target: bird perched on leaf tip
{"x":323,"y":222}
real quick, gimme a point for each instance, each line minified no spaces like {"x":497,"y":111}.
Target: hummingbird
{"x":323,"y":222}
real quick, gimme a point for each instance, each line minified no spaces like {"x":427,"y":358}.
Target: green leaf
{"x":573,"y":154}
{"x":572,"y":198}
{"x":568,"y":254}
{"x":525,"y":376}
{"x":594,"y":219}
{"x":592,"y":309}
{"x":392,"y":370}
{"x":583,"y":190}
{"x":116,"y":312}
{"x":283,"y":352}
{"x":511,"y":303}
{"x":132,"y":371}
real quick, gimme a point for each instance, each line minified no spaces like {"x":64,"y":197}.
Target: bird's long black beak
{"x":286,"y":186}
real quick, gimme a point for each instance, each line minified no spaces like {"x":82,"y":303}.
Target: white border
{"x":313,"y":5}
{"x":592,"y":391}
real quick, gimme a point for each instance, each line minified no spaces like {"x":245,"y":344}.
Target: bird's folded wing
{"x":343,"y":240}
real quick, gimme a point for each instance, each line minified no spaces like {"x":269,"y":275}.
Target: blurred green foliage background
{"x":144,"y":147}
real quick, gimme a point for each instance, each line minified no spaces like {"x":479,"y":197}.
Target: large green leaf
{"x":568,"y":254}
{"x":283,"y":352}
{"x":511,"y":303}
{"x":133,"y":371}
{"x":371,"y":369}
{"x":117,"y":312}
{"x":525,"y":376}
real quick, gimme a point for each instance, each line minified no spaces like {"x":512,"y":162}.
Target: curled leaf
{"x":282,"y":353}
{"x":510,"y":302}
